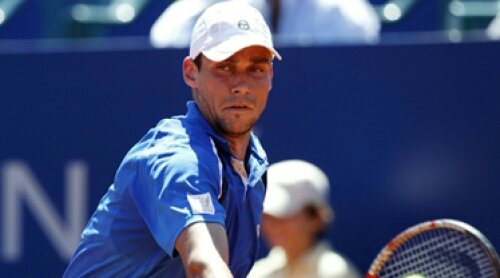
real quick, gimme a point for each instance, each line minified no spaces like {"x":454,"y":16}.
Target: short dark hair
{"x":197,"y":61}
{"x":314,"y":212}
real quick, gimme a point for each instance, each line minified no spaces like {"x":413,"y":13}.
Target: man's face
{"x":232,"y":94}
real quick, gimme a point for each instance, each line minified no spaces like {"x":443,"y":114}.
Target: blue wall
{"x":407,"y":133}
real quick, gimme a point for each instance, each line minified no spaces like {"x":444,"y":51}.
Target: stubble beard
{"x":231,"y":128}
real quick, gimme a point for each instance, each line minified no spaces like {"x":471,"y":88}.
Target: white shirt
{"x":493,"y":29}
{"x":302,"y":22}
{"x":320,"y":262}
{"x":327,"y":21}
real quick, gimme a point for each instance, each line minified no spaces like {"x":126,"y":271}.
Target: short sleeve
{"x":173,"y":191}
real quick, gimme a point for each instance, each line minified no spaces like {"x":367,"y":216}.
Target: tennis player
{"x":187,"y":198}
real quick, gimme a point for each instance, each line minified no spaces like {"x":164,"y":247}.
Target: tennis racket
{"x":437,"y":249}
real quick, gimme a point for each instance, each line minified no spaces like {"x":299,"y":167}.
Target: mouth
{"x":239,"y":107}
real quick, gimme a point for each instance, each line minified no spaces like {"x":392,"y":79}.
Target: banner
{"x":406,"y":133}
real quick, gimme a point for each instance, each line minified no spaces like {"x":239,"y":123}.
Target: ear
{"x":189,"y":72}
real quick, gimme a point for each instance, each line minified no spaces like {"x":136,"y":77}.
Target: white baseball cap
{"x":227,"y":27}
{"x":293,"y":185}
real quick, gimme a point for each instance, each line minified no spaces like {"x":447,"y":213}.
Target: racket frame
{"x":386,"y":253}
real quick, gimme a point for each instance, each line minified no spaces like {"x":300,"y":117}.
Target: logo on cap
{"x":243,"y":25}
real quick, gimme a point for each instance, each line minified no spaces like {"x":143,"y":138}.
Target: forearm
{"x":203,"y":248}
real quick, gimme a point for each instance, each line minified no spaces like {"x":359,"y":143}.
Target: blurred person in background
{"x":296,"y":216}
{"x":493,"y":29}
{"x":295,"y":22}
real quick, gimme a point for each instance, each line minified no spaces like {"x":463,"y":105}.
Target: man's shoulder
{"x":173,"y":138}
{"x":178,"y":131}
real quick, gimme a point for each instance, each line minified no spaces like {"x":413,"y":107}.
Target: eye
{"x":257,"y":69}
{"x":260,"y":68}
{"x":224,"y":68}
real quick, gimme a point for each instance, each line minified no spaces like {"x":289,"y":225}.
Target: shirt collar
{"x":194,"y":116}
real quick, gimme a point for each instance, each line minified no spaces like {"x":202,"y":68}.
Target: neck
{"x":238,"y":145}
{"x":296,"y":249}
{"x":294,"y":255}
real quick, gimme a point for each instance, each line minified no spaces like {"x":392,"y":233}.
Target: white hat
{"x":227,"y":27}
{"x":293,"y":185}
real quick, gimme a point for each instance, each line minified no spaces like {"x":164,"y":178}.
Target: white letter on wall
{"x":20,"y":186}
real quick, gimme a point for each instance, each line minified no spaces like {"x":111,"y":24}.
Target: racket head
{"x":437,"y":248}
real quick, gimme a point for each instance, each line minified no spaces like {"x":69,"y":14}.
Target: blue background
{"x":407,"y":133}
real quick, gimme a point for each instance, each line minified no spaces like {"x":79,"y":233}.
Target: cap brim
{"x":278,"y":202}
{"x":224,"y":50}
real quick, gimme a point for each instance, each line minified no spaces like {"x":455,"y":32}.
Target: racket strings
{"x":439,"y":253}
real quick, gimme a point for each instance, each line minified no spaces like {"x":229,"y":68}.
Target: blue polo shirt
{"x":171,"y":178}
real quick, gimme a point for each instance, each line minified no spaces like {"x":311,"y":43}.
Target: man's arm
{"x":203,"y":248}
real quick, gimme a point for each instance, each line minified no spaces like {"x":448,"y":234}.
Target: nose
{"x":241,"y":84}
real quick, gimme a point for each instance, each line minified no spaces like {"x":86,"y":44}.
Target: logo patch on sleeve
{"x":201,"y":204}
